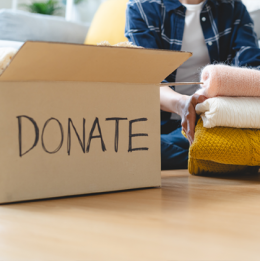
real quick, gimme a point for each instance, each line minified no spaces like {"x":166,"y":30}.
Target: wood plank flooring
{"x":188,"y":218}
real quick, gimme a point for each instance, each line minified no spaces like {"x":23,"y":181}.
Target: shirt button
{"x":203,"y":19}
{"x":209,"y":43}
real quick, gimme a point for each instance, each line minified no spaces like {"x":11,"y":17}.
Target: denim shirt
{"x":226,"y":24}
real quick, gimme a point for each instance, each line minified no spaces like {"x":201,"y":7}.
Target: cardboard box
{"x":79,"y":119}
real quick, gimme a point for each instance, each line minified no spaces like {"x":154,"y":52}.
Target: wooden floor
{"x":189,"y":218}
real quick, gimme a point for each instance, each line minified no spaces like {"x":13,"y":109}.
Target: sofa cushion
{"x":22,"y":26}
{"x":108,"y":23}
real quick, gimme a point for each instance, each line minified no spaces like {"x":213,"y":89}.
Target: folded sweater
{"x":237,"y":112}
{"x":226,"y":145}
{"x":224,"y":80}
{"x":6,"y":55}
{"x":207,"y":167}
{"x":238,"y":148}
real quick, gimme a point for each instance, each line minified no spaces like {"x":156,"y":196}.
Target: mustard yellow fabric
{"x":205,"y":167}
{"x":223,"y":149}
{"x":108,"y":23}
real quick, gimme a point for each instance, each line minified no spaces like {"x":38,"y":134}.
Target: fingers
{"x":188,"y":125}
{"x":189,"y":128}
{"x":201,"y":99}
{"x":196,"y":98}
{"x":189,"y":116}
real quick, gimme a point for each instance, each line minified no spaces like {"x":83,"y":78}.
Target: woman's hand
{"x":183,"y":105}
{"x":188,"y":115}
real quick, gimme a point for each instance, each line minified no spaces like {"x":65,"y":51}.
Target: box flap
{"x":44,"y":61}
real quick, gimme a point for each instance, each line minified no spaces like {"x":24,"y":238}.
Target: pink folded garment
{"x":224,"y":80}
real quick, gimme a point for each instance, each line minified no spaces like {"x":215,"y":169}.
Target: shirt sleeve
{"x":245,"y":46}
{"x":140,"y":26}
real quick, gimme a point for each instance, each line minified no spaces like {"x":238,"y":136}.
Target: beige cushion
{"x":108,"y":23}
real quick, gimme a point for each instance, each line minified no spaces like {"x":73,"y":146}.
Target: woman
{"x":215,"y":31}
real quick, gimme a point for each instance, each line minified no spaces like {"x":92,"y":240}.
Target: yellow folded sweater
{"x":223,"y":149}
{"x":206,"y":167}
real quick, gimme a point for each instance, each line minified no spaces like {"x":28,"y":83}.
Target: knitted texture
{"x":221,"y":149}
{"x":237,"y":112}
{"x":201,"y":167}
{"x":224,"y":80}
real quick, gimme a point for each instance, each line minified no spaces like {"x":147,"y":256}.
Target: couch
{"x":23,"y":26}
{"x":108,"y":24}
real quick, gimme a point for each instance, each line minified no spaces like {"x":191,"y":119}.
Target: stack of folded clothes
{"x":227,"y":136}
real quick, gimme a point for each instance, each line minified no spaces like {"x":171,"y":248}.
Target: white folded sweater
{"x":236,"y":112}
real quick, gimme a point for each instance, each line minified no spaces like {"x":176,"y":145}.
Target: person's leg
{"x":174,"y":150}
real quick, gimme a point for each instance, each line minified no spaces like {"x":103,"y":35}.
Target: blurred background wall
{"x":84,"y":10}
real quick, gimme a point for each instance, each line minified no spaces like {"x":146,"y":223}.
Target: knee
{"x":173,"y":156}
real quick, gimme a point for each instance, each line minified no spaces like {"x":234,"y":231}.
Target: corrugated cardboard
{"x":79,"y":119}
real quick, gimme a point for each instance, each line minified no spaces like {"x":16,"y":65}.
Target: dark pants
{"x":174,"y":146}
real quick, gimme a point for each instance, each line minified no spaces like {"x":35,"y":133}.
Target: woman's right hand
{"x":183,"y":105}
